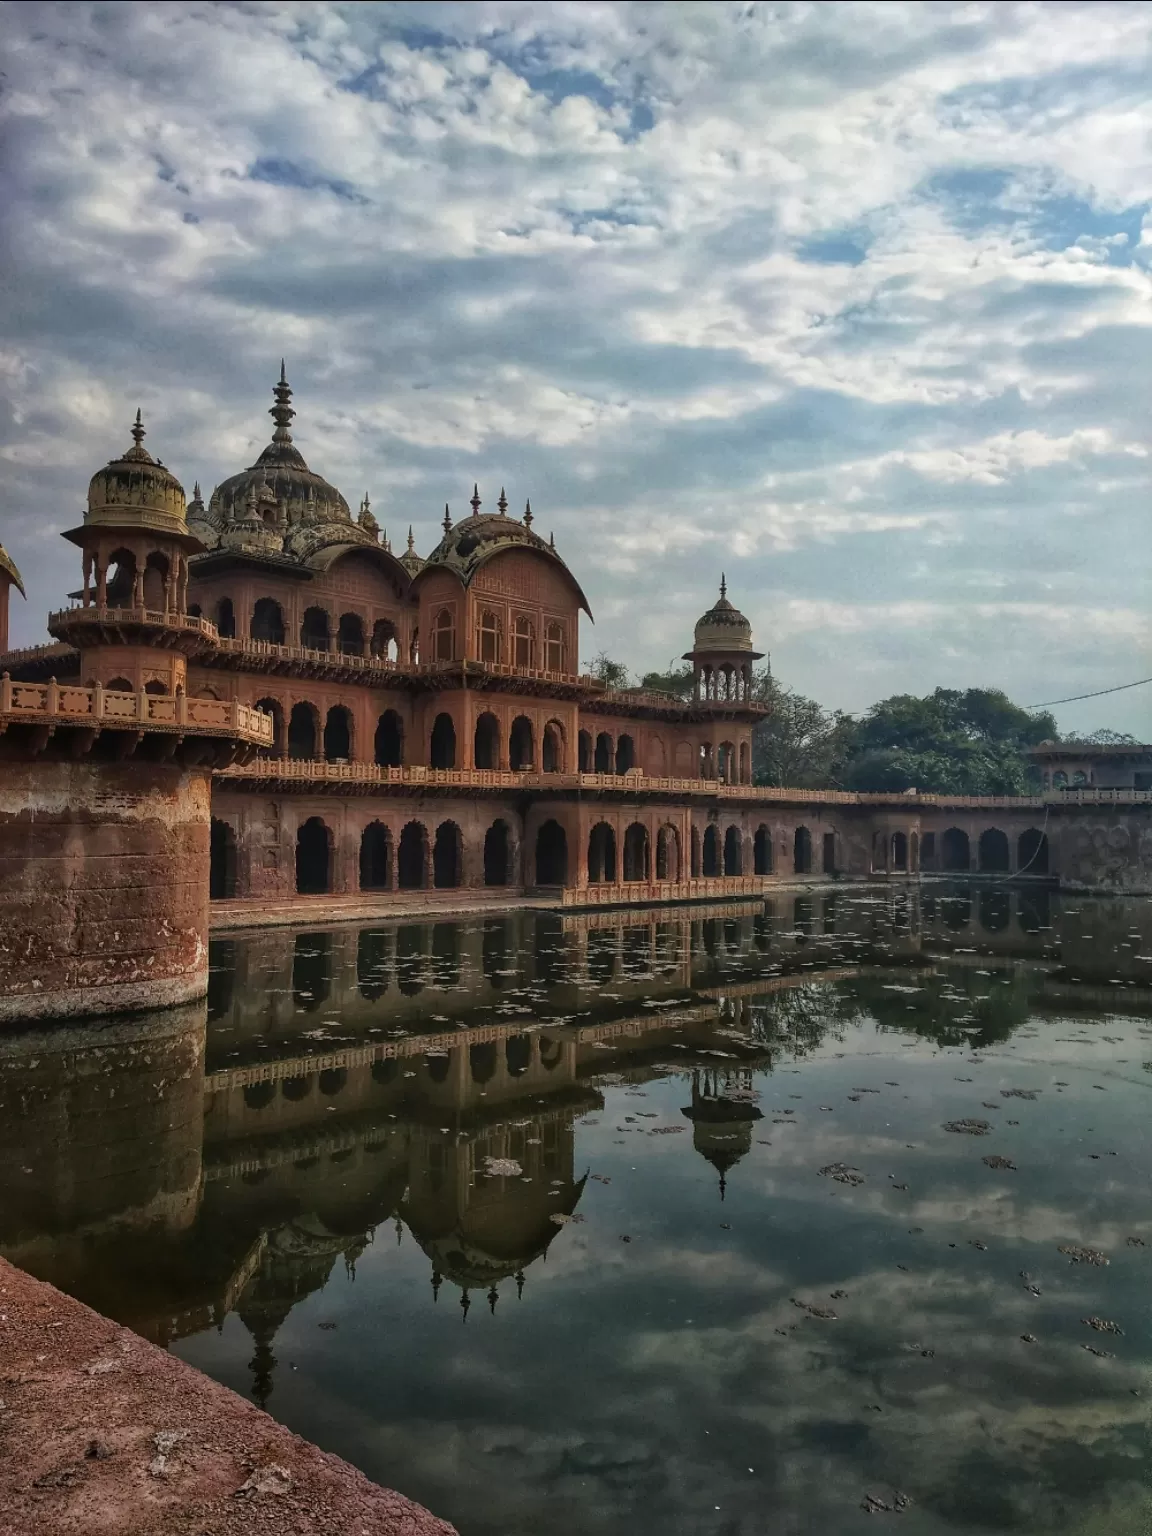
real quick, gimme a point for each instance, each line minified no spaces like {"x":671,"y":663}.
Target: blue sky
{"x":850,"y":301}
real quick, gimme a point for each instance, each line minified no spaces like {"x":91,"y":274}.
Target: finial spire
{"x":447,"y":519}
{"x":475,"y":503}
{"x":196,"y":492}
{"x":282,"y":412}
{"x":437,"y":1281}
{"x":502,"y":504}
{"x":519,"y":1284}
{"x":552,"y":541}
{"x":493,"y":1298}
{"x":465,"y":1303}
{"x":527,"y":514}
{"x":138,"y":429}
{"x":411,"y":540}
{"x":283,"y":374}
{"x":723,"y":585}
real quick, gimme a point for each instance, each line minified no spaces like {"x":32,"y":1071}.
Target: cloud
{"x":849,"y":300}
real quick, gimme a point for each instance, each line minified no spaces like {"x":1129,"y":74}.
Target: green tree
{"x":799,"y":744}
{"x":680,"y":682}
{"x":613,"y":674}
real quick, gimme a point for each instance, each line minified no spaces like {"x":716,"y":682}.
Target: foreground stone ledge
{"x":102,"y":1434}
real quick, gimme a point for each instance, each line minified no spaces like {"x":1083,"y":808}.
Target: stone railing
{"x":158,"y":618}
{"x":267,"y":650}
{"x":629,"y":892}
{"x":1099,"y":797}
{"x":110,"y":708}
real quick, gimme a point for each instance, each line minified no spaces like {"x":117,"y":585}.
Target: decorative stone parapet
{"x":66,"y":704}
{"x":628,"y":892}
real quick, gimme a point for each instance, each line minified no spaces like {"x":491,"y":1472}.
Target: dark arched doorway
{"x":443,"y":747}
{"x":733,"y":852}
{"x":302,"y":731}
{"x":1032,"y":852}
{"x":412,"y":857}
{"x":711,"y":852}
{"x":313,"y":858}
{"x":338,"y":734}
{"x":268,"y":621}
{"x":496,"y":859}
{"x":447,"y":856}
{"x":602,"y":854}
{"x":375,"y":858}
{"x":762,"y":851}
{"x":602,"y":759}
{"x":551,"y":854}
{"x":222,"y":862}
{"x":636,"y":852}
{"x":954,"y":850}
{"x":389,"y":742}
{"x":802,"y":851}
{"x":994,"y":855}
{"x":486,"y":742}
{"x":625,"y":754}
{"x":521,"y":746}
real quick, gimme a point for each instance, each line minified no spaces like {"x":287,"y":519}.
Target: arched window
{"x":486,"y":742}
{"x":375,"y":857}
{"x":496,"y":854}
{"x":274,"y":708}
{"x":551,"y":854}
{"x":521,"y":745}
{"x":586,"y":752}
{"x":605,"y":753}
{"x":1032,"y":852}
{"x":745,"y":762}
{"x":668,"y":854}
{"x":625,"y":754}
{"x":993,"y":850}
{"x":695,"y":853}
{"x":554,"y":648}
{"x":120,"y":588}
{"x":389,"y":744}
{"x":447,"y":856}
{"x":636,"y":852}
{"x":489,"y":636}
{"x":524,"y":638}
{"x":726,"y":763}
{"x":706,"y":767}
{"x":602,"y":854}
{"x":830,"y":853}
{"x":315,"y":634}
{"x":412,"y":857}
{"x":226,"y":619}
{"x":302,"y":731}
{"x":119,"y":685}
{"x":955,"y":853}
{"x":552,"y":750}
{"x":444,"y":636}
{"x":154,"y":685}
{"x":267,"y":621}
{"x":350,"y":635}
{"x":222,"y":862}
{"x":733,"y":852}
{"x":443,"y":745}
{"x":384,"y":646}
{"x":899,"y":850}
{"x":711,"y":852}
{"x":156,"y":582}
{"x":762,"y":851}
{"x":802,"y":851}
{"x":313,"y":858}
{"x":338,"y":735}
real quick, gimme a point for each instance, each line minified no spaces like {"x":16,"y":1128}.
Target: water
{"x":778,"y":1285}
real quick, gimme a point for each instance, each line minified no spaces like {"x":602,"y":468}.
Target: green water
{"x":730,"y":1272}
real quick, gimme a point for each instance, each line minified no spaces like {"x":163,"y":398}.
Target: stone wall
{"x":1105,"y":848}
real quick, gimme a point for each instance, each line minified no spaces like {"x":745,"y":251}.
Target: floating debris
{"x":1078,"y":1255}
{"x":994,"y":1160}
{"x":1019,"y":1093}
{"x":1102,"y":1325}
{"x":1136,"y":1242}
{"x":968,"y":1127}
{"x":842,"y":1173}
{"x":825,"y":1314}
{"x":502,"y":1168}
{"x":1101,"y":1354}
{"x":1028,"y":1338}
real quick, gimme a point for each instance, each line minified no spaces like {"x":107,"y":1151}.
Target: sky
{"x":850,"y":302}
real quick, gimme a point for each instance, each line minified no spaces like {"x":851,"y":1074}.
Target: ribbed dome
{"x":8,"y":567}
{"x":723,"y":627}
{"x":137,"y":488}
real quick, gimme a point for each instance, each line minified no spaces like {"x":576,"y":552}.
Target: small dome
{"x":8,"y":569}
{"x":410,"y":560}
{"x":137,"y":488}
{"x":723,"y":627}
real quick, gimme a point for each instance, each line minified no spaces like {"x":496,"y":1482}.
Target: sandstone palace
{"x":257,"y":702}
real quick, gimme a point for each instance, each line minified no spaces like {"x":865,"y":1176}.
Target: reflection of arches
{"x":995,"y":909}
{"x":802,"y":851}
{"x":636,"y":852}
{"x":412,"y":857}
{"x":302,"y":731}
{"x":586,"y":752}
{"x":294,"y":1089}
{"x":602,"y":854}
{"x":668,"y":854}
{"x":332,"y":1081}
{"x":438,"y":1067}
{"x":1032,"y":852}
{"x":954,"y":850}
{"x":389,"y":743}
{"x":375,"y":857}
{"x":496,"y":854}
{"x":372,"y":963}
{"x":518,"y":1054}
{"x":899,"y":850}
{"x":350,"y":635}
{"x":447,"y":854}
{"x":314,"y":633}
{"x":313,"y":858}
{"x":521,"y":746}
{"x":259,"y":1095}
{"x":733,"y":861}
{"x":993,"y":850}
{"x":338,"y":734}
{"x":482,"y":1061}
{"x":486,"y":742}
{"x":625,"y":754}
{"x":762,"y":851}
{"x":712,"y":864}
{"x":267,"y":621}
{"x":552,"y":748}
{"x":602,"y":762}
{"x":551,"y":854}
{"x":956,"y":911}
{"x":443,"y":746}
{"x":551,"y":1053}
{"x":222,"y":862}
{"x":311,"y":970}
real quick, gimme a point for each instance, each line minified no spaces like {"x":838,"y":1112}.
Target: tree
{"x":680,"y":682}
{"x":613,"y":674}
{"x":800,"y":744}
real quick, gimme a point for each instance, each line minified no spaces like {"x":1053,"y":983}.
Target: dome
{"x":474,"y":540}
{"x":8,"y":568}
{"x":311,"y":512}
{"x":137,"y":488}
{"x":410,"y":560}
{"x":724,"y":628}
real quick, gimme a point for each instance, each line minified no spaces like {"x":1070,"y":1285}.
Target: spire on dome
{"x":527,"y":514}
{"x":723,"y":585}
{"x":282,"y":412}
{"x":465,"y":1303}
{"x":411,"y":540}
{"x":493,"y":1298}
{"x":519,"y":1284}
{"x":447,"y":519}
{"x":551,"y":541}
{"x":502,"y":504}
{"x":138,"y":429}
{"x":475,"y":503}
{"x":196,"y":491}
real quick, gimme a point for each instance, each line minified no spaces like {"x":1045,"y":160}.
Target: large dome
{"x":723,"y":627}
{"x":136,"y":488}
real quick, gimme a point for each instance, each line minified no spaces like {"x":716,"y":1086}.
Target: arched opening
{"x":695,"y":853}
{"x":332,"y":1081}
{"x":954,"y":850}
{"x":762,"y":851}
{"x":350,"y":635}
{"x":517,"y":1055}
{"x":1032,"y":852}
{"x":602,"y":854}
{"x":412,"y":857}
{"x":914,"y":853}
{"x":120,"y":685}
{"x":295,"y":1089}
{"x":155,"y":686}
{"x":521,"y":746}
{"x":221,"y":861}
{"x":121,"y":583}
{"x":726,"y":762}
{"x":707,"y":768}
{"x":482,"y":1061}
{"x":226,"y":619}
{"x":389,"y":743}
{"x":447,"y":856}
{"x":274,"y":708}
{"x":625,"y":754}
{"x":745,"y":762}
{"x":267,"y":621}
{"x":496,"y":854}
{"x":551,"y":1053}
{"x":802,"y":851}
{"x":829,"y":854}
{"x":302,"y":731}
{"x":486,"y":742}
{"x":585,"y":752}
{"x":554,"y":648}
{"x":899,"y":851}
{"x":667,"y":854}
{"x":604,"y":753}
{"x":993,"y":848}
{"x":156,"y":582}
{"x":1059,"y":779}
{"x":315,"y":634}
{"x":928,"y":851}
{"x":489,"y":636}
{"x":313,"y":858}
{"x":994,"y":909}
{"x":552,"y":748}
{"x":551,"y":854}
{"x":711,"y":852}
{"x":259,"y":1095}
{"x":443,"y":746}
{"x":733,"y":860}
{"x":375,"y":857}
{"x":384,"y":646}
{"x":636,"y":852}
{"x":438,"y":1067}
{"x":443,"y":636}
{"x":338,"y":735}
{"x":523,"y":638}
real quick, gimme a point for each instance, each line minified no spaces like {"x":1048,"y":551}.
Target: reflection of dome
{"x":723,"y":627}
{"x":721,"y":1126}
{"x":136,"y":488}
{"x":476,"y":539}
{"x":8,"y":568}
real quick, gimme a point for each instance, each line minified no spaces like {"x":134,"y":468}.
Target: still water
{"x":701,"y":1222}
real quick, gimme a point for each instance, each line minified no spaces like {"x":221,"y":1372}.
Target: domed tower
{"x":132,"y":629}
{"x":722,"y":658}
{"x":9,"y":578}
{"x":721,"y":1125}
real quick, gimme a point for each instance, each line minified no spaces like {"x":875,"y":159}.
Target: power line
{"x":1100,"y":692}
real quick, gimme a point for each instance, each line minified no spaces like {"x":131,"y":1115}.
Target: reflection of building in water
{"x":722,"y":1113}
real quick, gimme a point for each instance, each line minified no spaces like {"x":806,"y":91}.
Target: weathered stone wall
{"x":103,"y":886}
{"x":1104,"y":848}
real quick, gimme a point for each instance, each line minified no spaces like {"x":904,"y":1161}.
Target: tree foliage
{"x":800,"y":744}
{"x":680,"y":682}
{"x":613,"y":674}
